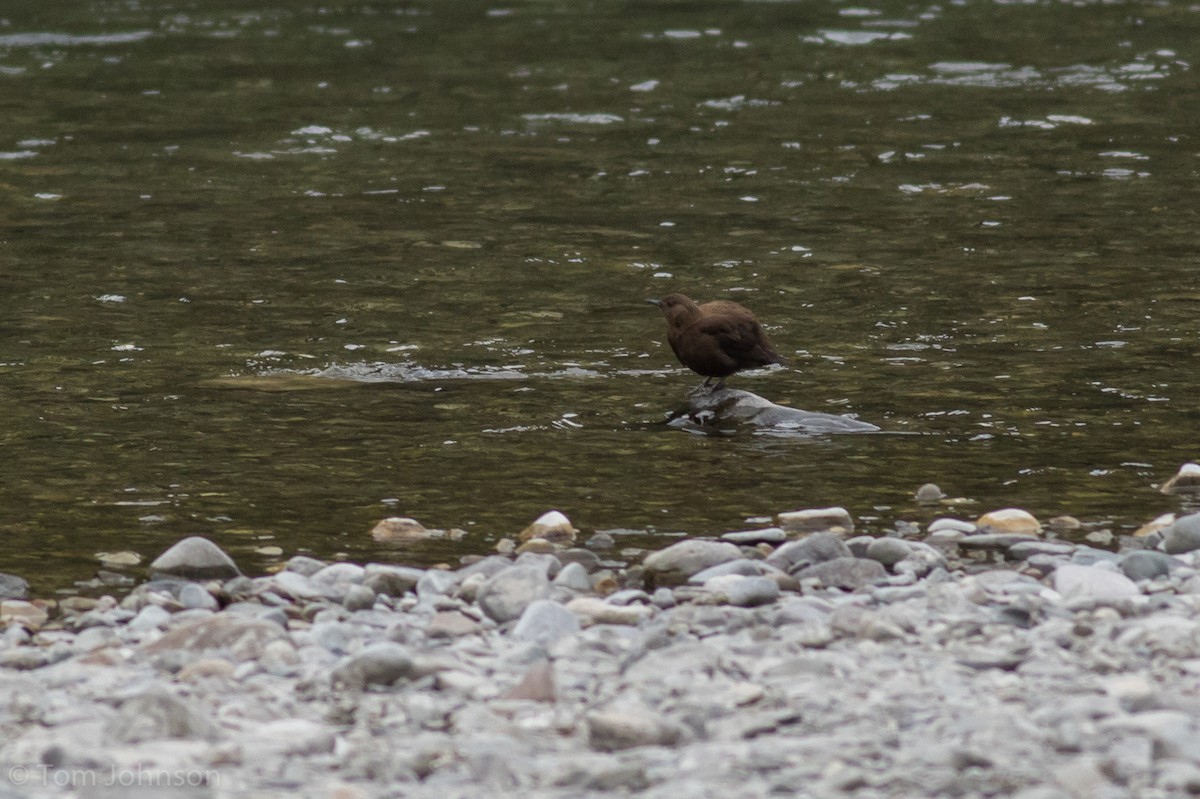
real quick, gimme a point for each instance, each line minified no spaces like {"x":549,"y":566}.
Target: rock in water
{"x":733,"y":406}
{"x":195,"y":558}
{"x":715,"y":339}
{"x":676,"y":563}
{"x":13,"y":587}
{"x":399,"y":528}
{"x":1011,"y":521}
{"x":1185,"y":481}
{"x":553,"y":526}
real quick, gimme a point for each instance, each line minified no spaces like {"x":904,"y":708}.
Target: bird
{"x":715,"y":339}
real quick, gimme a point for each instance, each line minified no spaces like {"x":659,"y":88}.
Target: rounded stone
{"x":745,"y":592}
{"x":767,"y":535}
{"x":359,"y":597}
{"x":193,"y":596}
{"x":929,"y":494}
{"x":888,"y":551}
{"x":1145,"y":564}
{"x":505,"y":595}
{"x":680,"y":561}
{"x":1185,"y":481}
{"x":399,"y":529}
{"x":1092,"y":583}
{"x":1009,"y":521}
{"x":816,"y":548}
{"x":380,"y":663}
{"x":195,"y":558}
{"x":553,"y":526}
{"x":848,"y":573}
{"x":13,"y":587}
{"x":575,"y":577}
{"x":1182,"y":535}
{"x":304,"y":565}
{"x":811,"y":520}
{"x":543,"y":622}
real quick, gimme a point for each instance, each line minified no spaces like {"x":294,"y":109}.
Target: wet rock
{"x":1185,"y":481}
{"x":767,"y":535}
{"x":929,"y":494}
{"x":1182,"y":535}
{"x":505,"y":595}
{"x":157,"y":714}
{"x":812,"y":520}
{"x":601,"y":540}
{"x":379,"y":664}
{"x":1064,"y":525}
{"x":1146,"y":564}
{"x":676,"y":563}
{"x":847,"y":573}
{"x":543,"y":622}
{"x":399,"y":529}
{"x":816,"y":548}
{"x":546,"y":562}
{"x":195,"y":558}
{"x":1092,"y":583}
{"x":552,"y":526}
{"x":1009,"y":521}
{"x":13,"y":587}
{"x":1152,"y":527}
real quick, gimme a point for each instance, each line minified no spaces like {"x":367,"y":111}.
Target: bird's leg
{"x":700,"y":389}
{"x":720,"y":385}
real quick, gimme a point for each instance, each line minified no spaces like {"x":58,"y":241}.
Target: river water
{"x":269,"y":273}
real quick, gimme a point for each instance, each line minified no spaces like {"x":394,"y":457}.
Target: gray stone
{"x":334,"y":636}
{"x":1023,"y":550}
{"x":339,"y":574}
{"x":544,"y":622}
{"x":993,"y":541}
{"x":193,"y":596}
{"x":816,"y":548}
{"x":600,"y":540}
{"x":544,"y":561}
{"x":812,"y":520}
{"x":151,"y":617}
{"x":1092,"y":583}
{"x":1145,"y":564}
{"x":749,"y":592}
{"x":195,"y":558}
{"x":949,"y":525}
{"x":676,"y":563}
{"x":744,"y":567}
{"x":575,"y":577}
{"x":295,"y":585}
{"x":13,"y":587}
{"x":888,"y":551}
{"x":506,"y":594}
{"x":382,"y":663}
{"x":436,"y":583}
{"x":929,"y":494}
{"x":304,"y":565}
{"x":359,"y":597}
{"x":586,"y":558}
{"x":393,"y":581}
{"x":157,"y":714}
{"x":613,"y":730}
{"x":1182,"y":535}
{"x":767,"y":535}
{"x":848,"y":573}
{"x":230,"y":636}
{"x":536,"y":686}
{"x":279,"y":658}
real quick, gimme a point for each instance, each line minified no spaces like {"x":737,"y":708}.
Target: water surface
{"x":273,"y":272}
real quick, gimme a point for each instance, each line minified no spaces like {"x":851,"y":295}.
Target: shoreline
{"x":965,"y":659}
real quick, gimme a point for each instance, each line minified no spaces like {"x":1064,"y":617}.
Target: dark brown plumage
{"x":715,"y":339}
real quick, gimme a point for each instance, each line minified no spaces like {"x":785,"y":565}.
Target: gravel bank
{"x":981,"y":660}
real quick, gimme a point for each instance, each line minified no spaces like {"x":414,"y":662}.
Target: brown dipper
{"x":715,"y":339}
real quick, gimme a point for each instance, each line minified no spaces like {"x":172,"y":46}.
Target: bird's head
{"x":678,"y":308}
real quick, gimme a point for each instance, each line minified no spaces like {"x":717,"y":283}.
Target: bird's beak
{"x":655,"y":302}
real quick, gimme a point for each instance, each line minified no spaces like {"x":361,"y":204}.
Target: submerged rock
{"x":552,"y":526}
{"x":811,"y":520}
{"x":1185,"y":481}
{"x":731,"y":405}
{"x":398,"y":529}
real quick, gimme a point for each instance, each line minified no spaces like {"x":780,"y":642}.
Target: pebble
{"x":745,"y":592}
{"x":811,"y":520}
{"x":13,"y":587}
{"x":399,"y":529}
{"x":888,"y":551}
{"x":193,"y":596}
{"x":848,"y":573}
{"x":816,"y":548}
{"x":929,"y":494}
{"x":594,"y":610}
{"x":767,"y":535}
{"x":1146,"y":565}
{"x":506,"y":594}
{"x":676,"y":563}
{"x":1009,"y":521}
{"x":1092,"y":583}
{"x":1182,"y":535}
{"x":195,"y":558}
{"x":575,"y":577}
{"x":378,"y":664}
{"x":543,"y":622}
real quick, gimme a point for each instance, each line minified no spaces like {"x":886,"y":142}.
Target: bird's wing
{"x":736,"y":337}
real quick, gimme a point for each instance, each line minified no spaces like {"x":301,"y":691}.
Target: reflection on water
{"x":272,"y":274}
